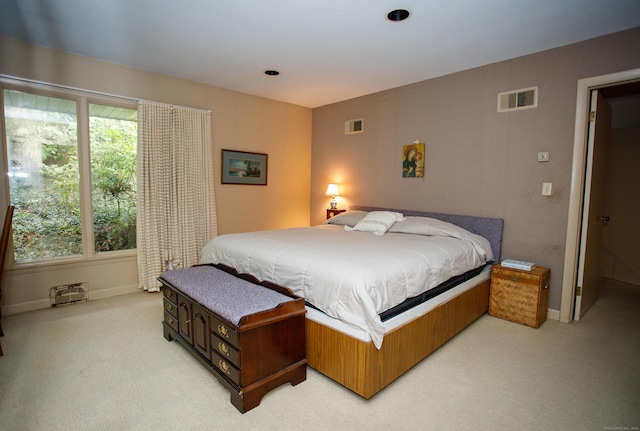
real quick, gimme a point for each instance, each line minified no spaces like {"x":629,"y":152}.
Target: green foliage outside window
{"x":44,"y":181}
{"x":113,"y":173}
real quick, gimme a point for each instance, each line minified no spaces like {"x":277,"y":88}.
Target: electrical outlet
{"x":546,"y":189}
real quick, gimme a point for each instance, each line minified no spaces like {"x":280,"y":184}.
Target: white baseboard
{"x":23,"y":307}
{"x":114,"y":291}
{"x":132,"y":288}
{"x":553,"y":314}
{"x":46,"y":303}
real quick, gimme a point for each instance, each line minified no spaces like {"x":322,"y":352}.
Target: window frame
{"x":82,"y":98}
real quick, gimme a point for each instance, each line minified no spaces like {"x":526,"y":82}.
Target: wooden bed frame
{"x":365,"y":370}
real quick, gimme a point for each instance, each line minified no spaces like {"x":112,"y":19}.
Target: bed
{"x":351,"y":288}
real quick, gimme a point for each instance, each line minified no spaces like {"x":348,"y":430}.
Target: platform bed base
{"x":365,"y":370}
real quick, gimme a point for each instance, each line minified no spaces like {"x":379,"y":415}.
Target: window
{"x":57,"y":145}
{"x":113,"y":136}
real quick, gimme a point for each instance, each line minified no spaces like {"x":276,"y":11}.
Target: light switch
{"x":546,"y":189}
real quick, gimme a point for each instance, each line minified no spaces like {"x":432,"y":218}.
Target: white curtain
{"x":176,"y":204}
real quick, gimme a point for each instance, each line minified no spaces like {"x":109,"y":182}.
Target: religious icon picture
{"x":413,"y":160}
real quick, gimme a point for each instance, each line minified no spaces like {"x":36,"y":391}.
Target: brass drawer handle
{"x":515,"y":278}
{"x":170,"y":321}
{"x":222,"y":330}
{"x":223,"y":348}
{"x":224,"y":366}
{"x":168,"y":307}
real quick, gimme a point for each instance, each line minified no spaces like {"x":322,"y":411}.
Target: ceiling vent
{"x":353,"y":126}
{"x":516,"y":100}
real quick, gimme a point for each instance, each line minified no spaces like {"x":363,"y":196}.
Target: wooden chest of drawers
{"x":520,"y":296}
{"x":263,"y":350}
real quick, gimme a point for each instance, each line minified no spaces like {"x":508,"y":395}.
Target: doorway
{"x":613,"y":86}
{"x":620,"y":259}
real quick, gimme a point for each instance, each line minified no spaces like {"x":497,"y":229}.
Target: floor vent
{"x":68,"y":293}
{"x":525,"y":98}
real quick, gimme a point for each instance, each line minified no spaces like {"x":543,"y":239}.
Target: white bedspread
{"x":352,"y":276}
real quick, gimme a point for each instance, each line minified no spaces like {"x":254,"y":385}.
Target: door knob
{"x":603,"y":218}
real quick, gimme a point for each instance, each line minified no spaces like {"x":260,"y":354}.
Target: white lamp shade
{"x":332,"y":190}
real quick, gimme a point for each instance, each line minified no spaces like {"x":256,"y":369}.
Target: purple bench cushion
{"x":228,"y":296}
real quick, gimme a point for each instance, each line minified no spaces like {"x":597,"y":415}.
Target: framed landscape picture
{"x":239,"y":167}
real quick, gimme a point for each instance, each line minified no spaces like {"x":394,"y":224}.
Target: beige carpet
{"x":104,"y":365}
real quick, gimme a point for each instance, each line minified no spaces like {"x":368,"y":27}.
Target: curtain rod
{"x":81,"y":90}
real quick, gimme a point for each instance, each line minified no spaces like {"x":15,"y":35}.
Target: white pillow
{"x":422,"y":226}
{"x":377,"y":222}
{"x":434,"y":227}
{"x":348,"y":218}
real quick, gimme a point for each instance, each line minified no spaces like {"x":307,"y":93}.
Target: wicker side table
{"x":520,"y":296}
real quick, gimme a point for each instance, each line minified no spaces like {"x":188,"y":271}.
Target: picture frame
{"x":413,"y":160}
{"x":242,"y":167}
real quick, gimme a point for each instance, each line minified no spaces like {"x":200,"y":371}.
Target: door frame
{"x":576,"y":198}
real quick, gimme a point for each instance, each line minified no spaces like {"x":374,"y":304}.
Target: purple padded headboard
{"x":490,"y":228}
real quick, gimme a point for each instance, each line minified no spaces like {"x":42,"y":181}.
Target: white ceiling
{"x":326,"y":50}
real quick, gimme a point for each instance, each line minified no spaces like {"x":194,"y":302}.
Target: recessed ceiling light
{"x":271,"y":72}
{"x":398,"y":15}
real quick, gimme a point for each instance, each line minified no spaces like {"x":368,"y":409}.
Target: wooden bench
{"x":250,"y":335}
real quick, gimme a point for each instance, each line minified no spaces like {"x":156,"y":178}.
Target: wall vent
{"x":525,"y":98}
{"x":68,"y":294}
{"x":353,"y":126}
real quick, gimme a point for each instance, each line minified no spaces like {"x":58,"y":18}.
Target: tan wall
{"x":239,"y":122}
{"x":478,"y":161}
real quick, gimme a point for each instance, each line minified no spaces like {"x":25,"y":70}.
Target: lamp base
{"x":334,"y":204}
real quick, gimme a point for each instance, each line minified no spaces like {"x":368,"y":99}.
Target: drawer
{"x":227,"y":368}
{"x":170,"y":294}
{"x":225,"y":349}
{"x":225,"y":331}
{"x":514,"y":278}
{"x":171,"y":320}
{"x":171,"y":308}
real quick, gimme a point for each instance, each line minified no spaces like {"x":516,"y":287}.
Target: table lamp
{"x":332,"y":190}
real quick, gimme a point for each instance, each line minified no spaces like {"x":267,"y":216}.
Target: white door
{"x":593,"y":217}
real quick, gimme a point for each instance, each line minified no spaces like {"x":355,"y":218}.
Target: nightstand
{"x":332,"y":213}
{"x":520,"y":296}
